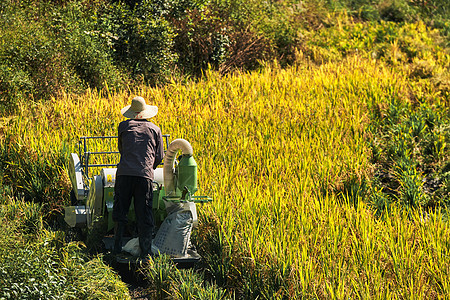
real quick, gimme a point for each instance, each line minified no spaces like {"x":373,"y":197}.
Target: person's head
{"x":139,"y":109}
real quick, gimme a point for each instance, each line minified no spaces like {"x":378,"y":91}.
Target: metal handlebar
{"x":83,"y":143}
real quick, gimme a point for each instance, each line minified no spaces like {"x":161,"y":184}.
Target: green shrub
{"x":50,"y":46}
{"x":15,"y":84}
{"x":397,"y":11}
{"x":413,"y":45}
{"x":433,"y":9}
{"x":365,"y":10}
{"x":30,"y":272}
{"x":141,"y":40}
{"x":87,"y":50}
{"x":46,"y":49}
{"x":202,"y":38}
{"x":29,"y":62}
{"x":39,"y":264}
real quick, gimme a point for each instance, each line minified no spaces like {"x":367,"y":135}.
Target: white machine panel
{"x":159,"y":176}
{"x":76,"y":176}
{"x":109,"y":177}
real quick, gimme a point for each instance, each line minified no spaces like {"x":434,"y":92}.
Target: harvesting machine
{"x":174,"y":202}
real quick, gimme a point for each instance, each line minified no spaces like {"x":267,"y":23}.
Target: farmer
{"x":141,"y":151}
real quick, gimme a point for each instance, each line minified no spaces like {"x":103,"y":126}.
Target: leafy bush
{"x":86,"y":49}
{"x":141,"y":39}
{"x":46,"y":49}
{"x":211,"y":37}
{"x":40,"y":265}
{"x":31,"y":272}
{"x":384,"y":40}
{"x":397,"y":11}
{"x":29,"y":62}
{"x":201,"y":38}
{"x":52,"y":46}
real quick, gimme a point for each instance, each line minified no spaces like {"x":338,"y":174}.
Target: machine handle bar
{"x":195,"y":199}
{"x":103,"y":165}
{"x":103,"y":152}
{"x":85,"y":158}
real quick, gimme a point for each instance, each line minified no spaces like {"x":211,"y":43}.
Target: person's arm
{"x":159,"y":154}
{"x":119,"y":140}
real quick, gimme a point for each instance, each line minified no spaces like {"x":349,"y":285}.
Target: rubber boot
{"x":118,"y":233}
{"x":145,"y":243}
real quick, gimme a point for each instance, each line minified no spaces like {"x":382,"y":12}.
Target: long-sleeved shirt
{"x":141,"y":148}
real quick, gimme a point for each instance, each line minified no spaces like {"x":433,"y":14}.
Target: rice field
{"x":280,"y":151}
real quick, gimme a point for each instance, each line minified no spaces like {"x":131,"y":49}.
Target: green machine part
{"x":187,"y":174}
{"x":108,"y":195}
{"x":159,"y":209}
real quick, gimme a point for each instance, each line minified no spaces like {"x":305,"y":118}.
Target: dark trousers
{"x":140,"y":188}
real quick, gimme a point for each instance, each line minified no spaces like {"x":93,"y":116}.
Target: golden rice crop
{"x":271,"y":147}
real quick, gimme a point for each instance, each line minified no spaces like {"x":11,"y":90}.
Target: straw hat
{"x":139,"y":109}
